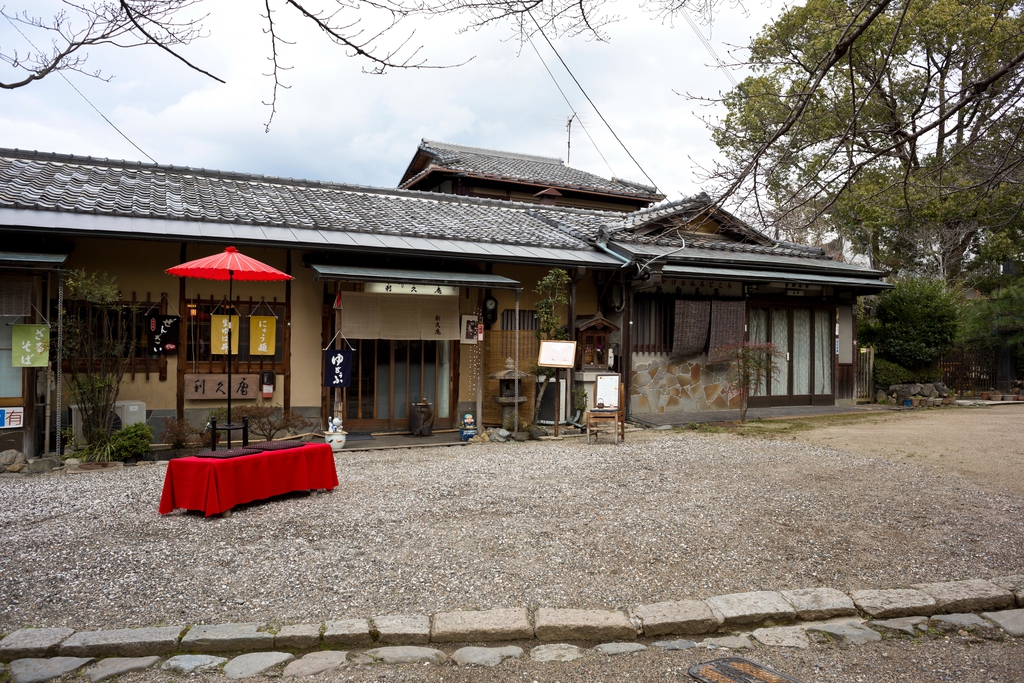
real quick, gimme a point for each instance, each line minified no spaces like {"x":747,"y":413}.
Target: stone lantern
{"x":506,"y":398}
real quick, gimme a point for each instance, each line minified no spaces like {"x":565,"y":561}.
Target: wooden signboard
{"x":213,"y":387}
{"x":557,"y":354}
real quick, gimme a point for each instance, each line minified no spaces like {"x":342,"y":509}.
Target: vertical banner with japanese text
{"x":337,"y":368}
{"x":162,"y":332}
{"x":219,"y":334}
{"x":31,"y":346}
{"x":262,"y":335}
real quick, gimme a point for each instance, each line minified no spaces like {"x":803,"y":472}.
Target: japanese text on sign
{"x":212,"y":387}
{"x":219,"y":327}
{"x":337,"y":367}
{"x":31,"y":346}
{"x":11,"y":417}
{"x":410,"y":288}
{"x":262,"y":335}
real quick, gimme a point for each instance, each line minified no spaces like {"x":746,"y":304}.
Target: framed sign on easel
{"x":558,"y":355}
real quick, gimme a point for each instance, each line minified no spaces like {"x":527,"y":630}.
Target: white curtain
{"x":780,"y":337}
{"x":824,"y":349}
{"x":758,"y":326}
{"x":801,"y":351}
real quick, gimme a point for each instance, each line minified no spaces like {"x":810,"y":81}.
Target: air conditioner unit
{"x":126,"y":413}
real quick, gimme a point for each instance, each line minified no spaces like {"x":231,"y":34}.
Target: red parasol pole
{"x":231,"y":325}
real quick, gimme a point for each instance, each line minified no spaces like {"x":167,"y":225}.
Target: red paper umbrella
{"x":229,"y":265}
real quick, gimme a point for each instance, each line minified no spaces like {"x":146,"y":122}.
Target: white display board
{"x":557,"y":354}
{"x":606,"y":391}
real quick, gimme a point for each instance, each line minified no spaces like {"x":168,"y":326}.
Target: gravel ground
{"x":668,"y":515}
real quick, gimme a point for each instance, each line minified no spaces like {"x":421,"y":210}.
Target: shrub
{"x":914,"y":323}
{"x":268,"y":421}
{"x":131,"y":442}
{"x":179,"y":433}
{"x":888,"y":373}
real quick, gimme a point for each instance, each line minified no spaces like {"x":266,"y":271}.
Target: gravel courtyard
{"x":668,"y":515}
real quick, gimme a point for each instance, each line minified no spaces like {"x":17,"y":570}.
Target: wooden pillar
{"x":627,"y":339}
{"x":287,"y":353}
{"x":480,"y":367}
{"x":183,"y":323}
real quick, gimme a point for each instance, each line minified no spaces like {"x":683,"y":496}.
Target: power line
{"x":709,"y":48}
{"x":61,"y":74}
{"x":603,"y":119}
{"x":571,"y":108}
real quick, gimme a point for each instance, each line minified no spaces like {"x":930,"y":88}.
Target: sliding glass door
{"x":389,"y":374}
{"x":804,"y":339}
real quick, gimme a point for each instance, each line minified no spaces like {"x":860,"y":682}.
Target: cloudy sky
{"x":337,"y":123}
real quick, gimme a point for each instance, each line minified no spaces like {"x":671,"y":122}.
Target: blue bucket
{"x":467,"y":434}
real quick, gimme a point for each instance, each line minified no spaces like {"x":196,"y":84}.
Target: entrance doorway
{"x":805,"y":339}
{"x":389,"y":374}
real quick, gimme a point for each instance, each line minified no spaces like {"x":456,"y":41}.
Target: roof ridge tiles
{"x":435,"y":144}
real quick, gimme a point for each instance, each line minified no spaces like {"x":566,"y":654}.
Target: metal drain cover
{"x":737,"y":670}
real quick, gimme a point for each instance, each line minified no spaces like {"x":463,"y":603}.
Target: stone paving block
{"x":896,"y":602}
{"x":33,"y":642}
{"x":854,"y":634}
{"x":348,"y":632}
{"x":582,"y":624}
{"x":683,"y":617}
{"x":782,"y":636}
{"x":403,"y":629}
{"x":975,"y":595}
{"x":36,"y":670}
{"x":1014,"y":584}
{"x":971,"y":623}
{"x":815,"y":604}
{"x":555,"y":653}
{"x":299,"y":636}
{"x":485,"y":656}
{"x":115,"y":666}
{"x":187,"y":664}
{"x":751,"y":608}
{"x":122,"y":642}
{"x":226,"y":638}
{"x":728,"y":643}
{"x":1011,"y":621}
{"x":407,"y":654}
{"x":611,"y":649}
{"x":674,"y":645}
{"x":255,"y":663}
{"x":910,"y":626}
{"x":483,"y":626}
{"x":315,"y":663}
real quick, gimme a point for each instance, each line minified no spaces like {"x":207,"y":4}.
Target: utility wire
{"x":571,"y":108}
{"x":61,"y":74}
{"x":709,"y":48}
{"x":603,"y":119}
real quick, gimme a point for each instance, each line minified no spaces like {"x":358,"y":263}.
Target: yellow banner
{"x":219,"y":334}
{"x":262,"y":335}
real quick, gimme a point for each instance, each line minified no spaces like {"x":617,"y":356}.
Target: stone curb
{"x":995,"y":599}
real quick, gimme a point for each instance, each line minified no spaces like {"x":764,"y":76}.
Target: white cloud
{"x":337,"y":123}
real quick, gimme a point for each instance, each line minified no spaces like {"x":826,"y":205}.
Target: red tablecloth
{"x":213,"y":485}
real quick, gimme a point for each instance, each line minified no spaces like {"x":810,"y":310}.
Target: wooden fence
{"x":865,"y":374}
{"x":968,"y":371}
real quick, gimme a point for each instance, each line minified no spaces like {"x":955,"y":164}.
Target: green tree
{"x":997,"y":321}
{"x":555,"y":288}
{"x":98,"y":349}
{"x":908,"y":144}
{"x":914,"y":323}
{"x":751,"y":364}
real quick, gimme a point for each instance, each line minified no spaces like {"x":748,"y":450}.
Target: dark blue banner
{"x":337,"y":366}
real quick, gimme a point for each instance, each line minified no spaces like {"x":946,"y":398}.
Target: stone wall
{"x":661,"y":384}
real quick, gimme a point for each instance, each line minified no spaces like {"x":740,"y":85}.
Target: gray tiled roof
{"x":65,"y":183}
{"x":549,"y":171}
